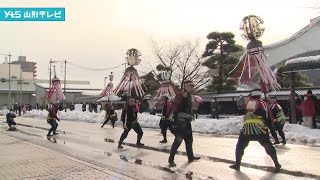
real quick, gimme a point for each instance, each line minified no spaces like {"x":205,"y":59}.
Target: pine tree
{"x":219,"y":59}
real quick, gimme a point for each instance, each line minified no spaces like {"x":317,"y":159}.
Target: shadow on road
{"x":240,"y":175}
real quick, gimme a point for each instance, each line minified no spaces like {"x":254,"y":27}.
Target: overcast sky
{"x":97,"y":33}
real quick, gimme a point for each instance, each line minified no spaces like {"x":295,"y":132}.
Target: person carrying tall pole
{"x":20,"y":86}
{"x":129,"y":115}
{"x":65,"y":83}
{"x":257,"y":120}
{"x":50,"y":73}
{"x":50,"y":76}
{"x":9,"y":95}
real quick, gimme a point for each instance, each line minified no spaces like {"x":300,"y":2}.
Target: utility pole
{"x":105,"y":82}
{"x":9,"y":95}
{"x":292,"y":97}
{"x":20,"y":87}
{"x":65,"y":83}
{"x":50,"y":73}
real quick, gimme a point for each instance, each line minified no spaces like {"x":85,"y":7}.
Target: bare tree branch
{"x":184,"y":61}
{"x":204,"y":82}
{"x":152,"y":69}
{"x":158,"y":51}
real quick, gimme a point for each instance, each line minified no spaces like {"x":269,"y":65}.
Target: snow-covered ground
{"x":225,"y":126}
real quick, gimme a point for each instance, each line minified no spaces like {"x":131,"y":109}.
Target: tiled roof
{"x":284,"y":92}
{"x":223,"y":95}
{"x":315,"y":91}
{"x":302,"y":64}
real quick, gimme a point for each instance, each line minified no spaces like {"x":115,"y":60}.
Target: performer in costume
{"x":182,"y":123}
{"x":130,"y":84}
{"x":10,"y":119}
{"x":278,"y":117}
{"x":165,"y":121}
{"x":255,"y":128}
{"x":254,"y":70}
{"x":129,"y":118}
{"x":52,"y":118}
{"x":165,"y":94}
{"x":110,"y":114}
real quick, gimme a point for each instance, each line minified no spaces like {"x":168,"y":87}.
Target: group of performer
{"x":261,"y":116}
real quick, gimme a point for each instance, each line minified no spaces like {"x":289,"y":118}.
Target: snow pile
{"x":111,"y":97}
{"x":296,"y":133}
{"x":4,"y":112}
{"x":148,"y":120}
{"x":225,"y":126}
{"x":3,"y":121}
{"x":82,"y":116}
{"x":86,"y":116}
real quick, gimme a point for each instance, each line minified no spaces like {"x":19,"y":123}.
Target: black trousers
{"x":11,"y":122}
{"x":195,"y":113}
{"x":54,"y":126}
{"x":106,"y":121}
{"x":183,"y":131}
{"x":215,"y":114}
{"x":164,"y":125}
{"x":136,"y":127}
{"x":314,"y":122}
{"x":279,"y":127}
{"x":241,"y":112}
{"x":264,"y":141}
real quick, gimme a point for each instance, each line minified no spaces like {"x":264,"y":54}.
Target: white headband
{"x":256,"y":93}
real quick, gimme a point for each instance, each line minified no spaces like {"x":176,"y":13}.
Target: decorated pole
{"x":55,"y":88}
{"x":253,"y":68}
{"x":130,"y":83}
{"x":107,"y":94}
{"x":165,"y":86}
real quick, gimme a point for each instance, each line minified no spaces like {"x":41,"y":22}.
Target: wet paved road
{"x":90,"y":143}
{"x":22,"y":160}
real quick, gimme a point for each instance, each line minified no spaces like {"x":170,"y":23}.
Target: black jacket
{"x":129,"y":111}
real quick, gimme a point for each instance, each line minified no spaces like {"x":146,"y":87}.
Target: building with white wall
{"x":21,"y":85}
{"x":305,"y":42}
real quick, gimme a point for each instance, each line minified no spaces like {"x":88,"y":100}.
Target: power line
{"x":91,"y":69}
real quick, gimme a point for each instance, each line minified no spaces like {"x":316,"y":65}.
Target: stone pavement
{"x":22,"y":160}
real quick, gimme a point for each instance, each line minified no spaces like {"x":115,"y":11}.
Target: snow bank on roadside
{"x":295,"y":133}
